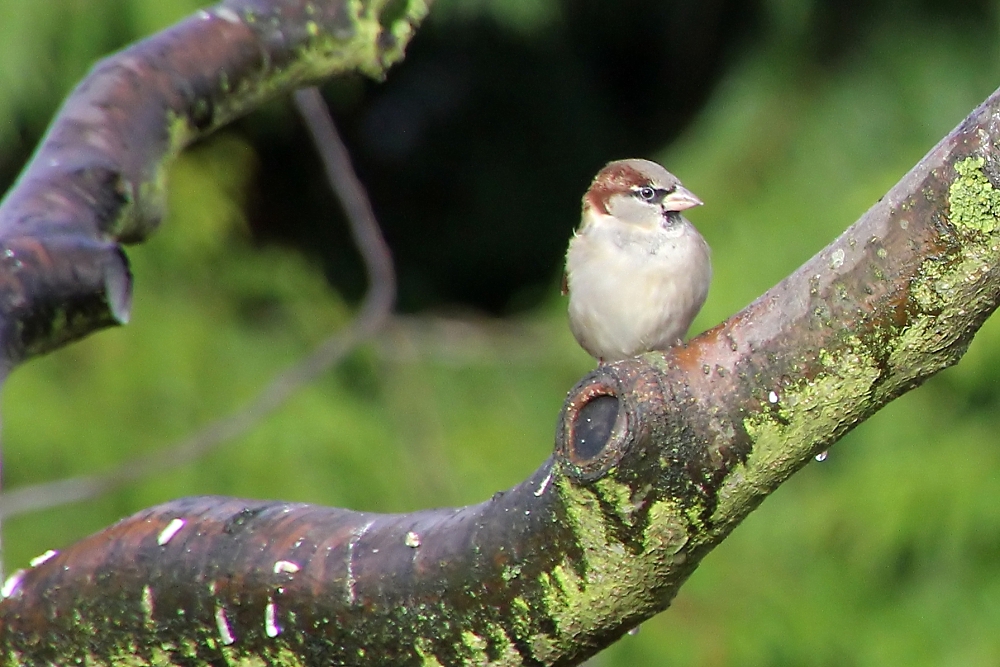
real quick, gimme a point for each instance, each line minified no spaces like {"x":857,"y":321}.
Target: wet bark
{"x":657,"y":459}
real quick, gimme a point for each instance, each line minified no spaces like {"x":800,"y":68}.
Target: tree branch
{"x":373,"y":315}
{"x":657,"y":459}
{"x":99,"y":176}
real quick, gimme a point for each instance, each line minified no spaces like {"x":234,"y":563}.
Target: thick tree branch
{"x":657,"y":459}
{"x":376,"y":308}
{"x":98,"y":177}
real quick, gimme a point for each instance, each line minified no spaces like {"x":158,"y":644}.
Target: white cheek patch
{"x":634,"y":211}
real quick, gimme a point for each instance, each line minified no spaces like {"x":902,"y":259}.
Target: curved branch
{"x":376,"y":307}
{"x":658,"y":458}
{"x":98,"y":178}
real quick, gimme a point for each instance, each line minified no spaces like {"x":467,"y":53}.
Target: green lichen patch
{"x":403,"y":30}
{"x":620,"y":497}
{"x":947,"y":296}
{"x":399,"y":17}
{"x":424,"y":649}
{"x":799,"y":419}
{"x":477,"y":648}
{"x":973,"y":202}
{"x":447,"y":637}
{"x":950,"y":293}
{"x":612,"y":582}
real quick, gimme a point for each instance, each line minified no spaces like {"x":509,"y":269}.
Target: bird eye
{"x":646,"y":193}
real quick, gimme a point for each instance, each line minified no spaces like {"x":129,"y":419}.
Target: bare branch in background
{"x":373,"y":314}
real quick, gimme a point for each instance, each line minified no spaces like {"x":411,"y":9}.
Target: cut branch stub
{"x":53,"y":289}
{"x":625,"y":423}
{"x":595,"y":423}
{"x":597,"y":426}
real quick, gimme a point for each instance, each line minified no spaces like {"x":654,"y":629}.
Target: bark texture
{"x":657,"y":459}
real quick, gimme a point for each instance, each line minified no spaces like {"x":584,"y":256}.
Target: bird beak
{"x":680,"y":199}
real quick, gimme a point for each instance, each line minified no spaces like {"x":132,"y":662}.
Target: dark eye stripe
{"x":648,"y":193}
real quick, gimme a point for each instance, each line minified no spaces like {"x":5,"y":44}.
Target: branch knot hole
{"x":592,"y":428}
{"x":596,"y":426}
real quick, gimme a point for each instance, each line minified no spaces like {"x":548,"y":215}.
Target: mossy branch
{"x":99,"y":176}
{"x":657,"y":459}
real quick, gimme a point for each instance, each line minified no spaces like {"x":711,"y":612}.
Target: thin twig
{"x":372,"y":316}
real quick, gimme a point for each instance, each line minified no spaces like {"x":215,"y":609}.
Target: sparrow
{"x":637,"y":271}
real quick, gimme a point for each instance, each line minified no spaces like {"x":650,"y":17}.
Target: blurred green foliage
{"x":885,"y":554}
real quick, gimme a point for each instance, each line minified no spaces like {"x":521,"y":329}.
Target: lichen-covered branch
{"x":98,"y":177}
{"x":657,"y":459}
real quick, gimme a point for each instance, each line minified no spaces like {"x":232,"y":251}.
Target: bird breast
{"x":632,"y":290}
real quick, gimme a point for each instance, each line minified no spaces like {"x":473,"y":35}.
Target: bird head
{"x":638,"y":192}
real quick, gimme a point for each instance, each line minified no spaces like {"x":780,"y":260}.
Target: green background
{"x":887,"y":553}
